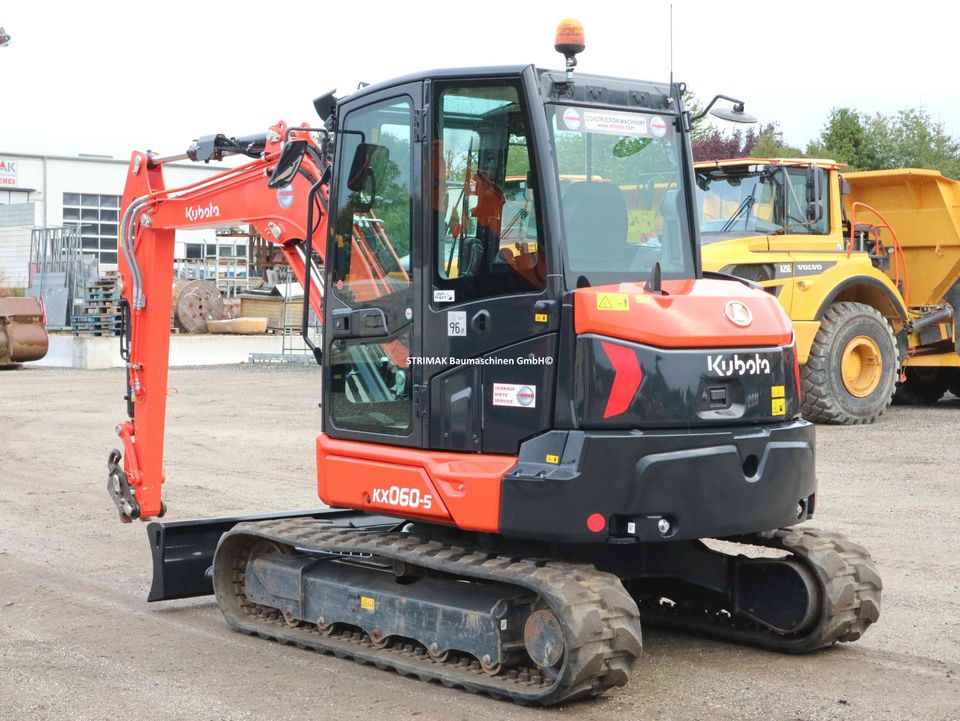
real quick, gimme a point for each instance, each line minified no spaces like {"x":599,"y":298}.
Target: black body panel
{"x":468,"y":416}
{"x":530,"y":366}
{"x":457,"y":401}
{"x":709,"y":483}
{"x":703,"y":387}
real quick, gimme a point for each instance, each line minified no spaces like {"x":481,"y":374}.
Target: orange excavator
{"x":519,"y":457}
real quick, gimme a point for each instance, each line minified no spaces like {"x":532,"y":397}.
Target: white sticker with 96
{"x":457,"y":323}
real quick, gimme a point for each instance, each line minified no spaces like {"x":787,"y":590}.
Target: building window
{"x":9,"y":197}
{"x":97,"y":218}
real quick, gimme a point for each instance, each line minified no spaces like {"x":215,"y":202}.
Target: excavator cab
{"x":433,"y":164}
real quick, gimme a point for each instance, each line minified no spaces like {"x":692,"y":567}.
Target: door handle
{"x":359,"y":323}
{"x":480,"y":322}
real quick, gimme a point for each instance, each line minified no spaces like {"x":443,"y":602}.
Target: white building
{"x":50,"y":191}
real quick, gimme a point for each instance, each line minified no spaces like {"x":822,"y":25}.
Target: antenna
{"x":671,"y":47}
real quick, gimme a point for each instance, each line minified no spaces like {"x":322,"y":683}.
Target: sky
{"x":108,"y":78}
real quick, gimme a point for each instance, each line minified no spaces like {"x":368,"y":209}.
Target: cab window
{"x":486,"y":237}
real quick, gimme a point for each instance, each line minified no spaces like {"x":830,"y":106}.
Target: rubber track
{"x":849,"y":596}
{"x":600,"y":620}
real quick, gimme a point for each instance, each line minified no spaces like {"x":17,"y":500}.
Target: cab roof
{"x":587,"y":89}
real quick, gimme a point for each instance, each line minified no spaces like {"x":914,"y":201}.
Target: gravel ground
{"x":79,"y":641}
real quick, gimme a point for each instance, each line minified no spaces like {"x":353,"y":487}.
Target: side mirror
{"x":325,"y":104}
{"x":735,"y":114}
{"x":288,"y":164}
{"x":367,"y":169}
{"x":814,"y":193}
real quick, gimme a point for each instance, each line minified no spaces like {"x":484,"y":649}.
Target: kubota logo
{"x":723,"y":366}
{"x":738,"y":314}
{"x":199,"y":212}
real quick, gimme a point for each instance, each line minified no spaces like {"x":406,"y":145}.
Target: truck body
{"x":879,"y":250}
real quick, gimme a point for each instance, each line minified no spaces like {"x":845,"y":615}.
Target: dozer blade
{"x":183,"y":550}
{"x":23,"y":336}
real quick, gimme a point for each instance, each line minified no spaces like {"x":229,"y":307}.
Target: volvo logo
{"x":738,"y":314}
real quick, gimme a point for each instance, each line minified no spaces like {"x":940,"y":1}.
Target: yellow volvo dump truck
{"x":867,"y":265}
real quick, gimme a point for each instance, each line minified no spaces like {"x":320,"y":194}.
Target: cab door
{"x":489,"y":319}
{"x":370,"y":389}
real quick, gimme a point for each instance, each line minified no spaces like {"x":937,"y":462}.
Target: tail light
{"x":626,"y":380}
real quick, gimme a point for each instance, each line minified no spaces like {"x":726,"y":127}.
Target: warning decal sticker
{"x":613,"y":301}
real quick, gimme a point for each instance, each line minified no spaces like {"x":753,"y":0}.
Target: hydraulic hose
{"x":127,"y":237}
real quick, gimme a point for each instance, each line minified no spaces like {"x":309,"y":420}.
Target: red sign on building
{"x":8,"y":173}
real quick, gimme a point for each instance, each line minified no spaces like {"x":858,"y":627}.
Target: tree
{"x":844,"y":139}
{"x":719,"y":146}
{"x":702,"y":129}
{"x":909,"y":139}
{"x":770,"y":144}
{"x":919,"y":142}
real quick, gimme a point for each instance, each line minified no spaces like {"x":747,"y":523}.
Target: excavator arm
{"x":151,"y":214}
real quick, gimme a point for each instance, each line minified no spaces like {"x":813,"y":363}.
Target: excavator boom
{"x":151,"y":214}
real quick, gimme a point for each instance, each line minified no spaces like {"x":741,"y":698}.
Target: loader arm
{"x":151,"y":214}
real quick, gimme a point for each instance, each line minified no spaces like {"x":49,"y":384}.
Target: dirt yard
{"x":79,"y":641}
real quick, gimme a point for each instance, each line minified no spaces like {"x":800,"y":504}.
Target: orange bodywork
{"x":235,"y":195}
{"x":461,"y":489}
{"x":688,"y":314}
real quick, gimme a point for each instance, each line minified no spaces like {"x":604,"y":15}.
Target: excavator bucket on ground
{"x":23,"y":335}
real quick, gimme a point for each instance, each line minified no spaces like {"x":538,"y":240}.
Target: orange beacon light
{"x":570,"y":41}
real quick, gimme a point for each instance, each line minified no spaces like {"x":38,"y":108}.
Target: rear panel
{"x":619,"y":384}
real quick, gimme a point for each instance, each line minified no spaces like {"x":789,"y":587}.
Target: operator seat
{"x":595,"y":218}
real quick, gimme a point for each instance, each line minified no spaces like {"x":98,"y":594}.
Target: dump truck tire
{"x":923,"y":386}
{"x":851,"y":373}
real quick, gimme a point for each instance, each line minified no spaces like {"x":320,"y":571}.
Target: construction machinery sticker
{"x":613,"y":301}
{"x":514,"y":395}
{"x":8,"y":173}
{"x":607,"y":122}
{"x":722,"y":365}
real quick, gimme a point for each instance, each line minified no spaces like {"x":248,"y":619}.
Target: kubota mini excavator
{"x":523,"y":442}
